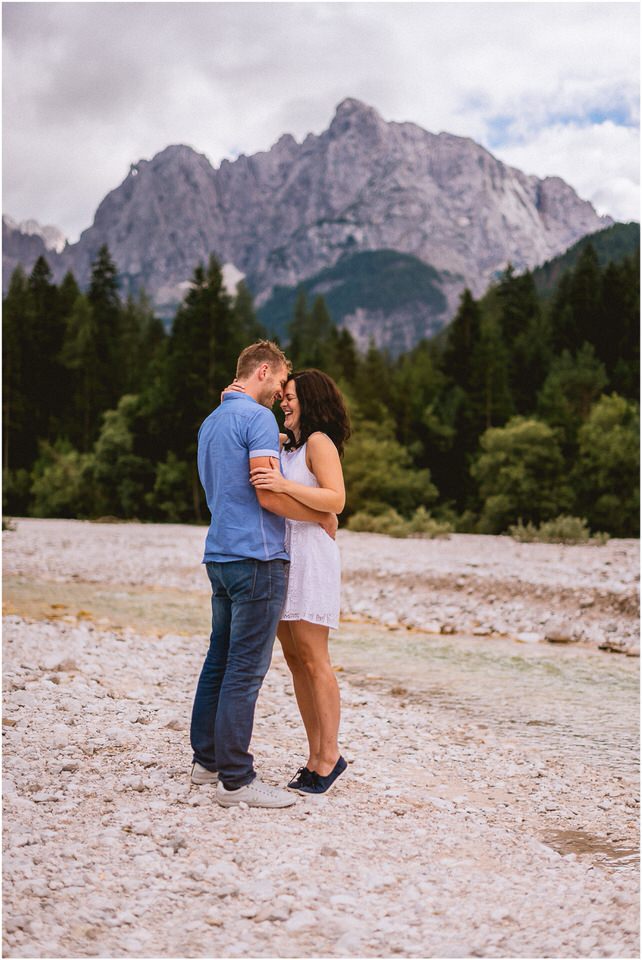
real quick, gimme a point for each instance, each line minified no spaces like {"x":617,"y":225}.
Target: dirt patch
{"x":147,"y":609}
{"x":601,"y":850}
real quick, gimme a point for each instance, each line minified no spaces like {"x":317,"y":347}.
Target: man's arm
{"x":286,"y":506}
{"x":326,"y":467}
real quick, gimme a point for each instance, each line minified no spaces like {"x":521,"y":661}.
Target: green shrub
{"x":606,"y":475}
{"x":466,"y":522}
{"x":521,"y":473}
{"x":563,"y":529}
{"x":16,"y":492}
{"x":392,"y":524}
{"x":380,"y":475}
{"x":122,"y":477}
{"x":422,"y":524}
{"x":170,"y":496}
{"x":64,"y":482}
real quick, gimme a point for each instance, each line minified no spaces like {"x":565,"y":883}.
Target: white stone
{"x":300,"y":920}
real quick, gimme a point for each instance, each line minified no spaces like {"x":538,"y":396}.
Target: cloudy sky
{"x":551,"y":88}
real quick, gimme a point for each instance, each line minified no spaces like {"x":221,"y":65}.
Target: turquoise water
{"x":586,"y":701}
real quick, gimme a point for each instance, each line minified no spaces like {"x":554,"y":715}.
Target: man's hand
{"x":330,"y":525}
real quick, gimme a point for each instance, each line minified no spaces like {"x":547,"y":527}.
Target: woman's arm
{"x":286,"y":506}
{"x":326,"y":467}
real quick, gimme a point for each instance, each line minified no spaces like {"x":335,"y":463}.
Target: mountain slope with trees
{"x":611,"y":245}
{"x":392,"y":298}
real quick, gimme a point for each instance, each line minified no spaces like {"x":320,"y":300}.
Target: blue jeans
{"x":247,"y":600}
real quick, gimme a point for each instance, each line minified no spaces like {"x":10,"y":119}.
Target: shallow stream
{"x":585,"y":700}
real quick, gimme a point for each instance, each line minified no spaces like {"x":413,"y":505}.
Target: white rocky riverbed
{"x":490,"y":807}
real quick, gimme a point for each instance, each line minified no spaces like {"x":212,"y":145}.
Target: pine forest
{"x":523,"y":410}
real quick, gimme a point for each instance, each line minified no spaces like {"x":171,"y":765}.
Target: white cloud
{"x":90,"y":88}
{"x":599,"y":160}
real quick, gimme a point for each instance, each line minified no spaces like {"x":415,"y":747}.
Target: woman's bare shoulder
{"x":319,"y":441}
{"x":320,"y":450}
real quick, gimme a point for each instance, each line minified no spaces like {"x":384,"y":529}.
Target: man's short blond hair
{"x":263,"y":351}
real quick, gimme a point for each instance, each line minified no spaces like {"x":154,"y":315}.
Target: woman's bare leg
{"x":310,"y":642}
{"x":302,"y":691}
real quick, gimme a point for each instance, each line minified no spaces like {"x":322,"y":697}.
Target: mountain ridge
{"x":287,"y":213}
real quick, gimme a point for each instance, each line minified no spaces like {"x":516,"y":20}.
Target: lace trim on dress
{"x":322,"y":619}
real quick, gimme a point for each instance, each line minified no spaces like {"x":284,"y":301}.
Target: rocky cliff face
{"x":285,"y":214}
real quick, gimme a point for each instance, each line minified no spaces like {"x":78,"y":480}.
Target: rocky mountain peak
{"x":285,"y":144}
{"x":352,"y":114}
{"x":285,"y":214}
{"x":178,"y":154}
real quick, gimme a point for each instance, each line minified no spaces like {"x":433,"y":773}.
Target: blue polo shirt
{"x":238,"y":429}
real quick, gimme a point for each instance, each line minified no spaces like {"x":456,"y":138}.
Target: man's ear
{"x":263,"y":370}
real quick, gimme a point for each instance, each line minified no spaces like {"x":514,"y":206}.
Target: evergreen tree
{"x":299,"y":330}
{"x":244,"y":314}
{"x":489,"y":389}
{"x":105,"y":302}
{"x":346,"y":354}
{"x":576,"y":311}
{"x":519,"y":303}
{"x":202,"y":352}
{"x":416,"y":384}
{"x":529,"y":362}
{"x":455,"y":406}
{"x":463,"y":336}
{"x":80,"y":357}
{"x":565,"y":332}
{"x":313,"y":337}
{"x":526,"y":335}
{"x":141,"y":336}
{"x":19,"y":439}
{"x":322,"y":327}
{"x":68,"y":291}
{"x":570,"y":390}
{"x":373,"y":385}
{"x":586,"y":296}
{"x":618,"y":343}
{"x":46,"y":323}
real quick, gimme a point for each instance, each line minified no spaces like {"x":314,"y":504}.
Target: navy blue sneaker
{"x":321,"y":784}
{"x":302,"y":778}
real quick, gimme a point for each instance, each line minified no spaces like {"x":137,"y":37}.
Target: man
{"x":247,"y":567}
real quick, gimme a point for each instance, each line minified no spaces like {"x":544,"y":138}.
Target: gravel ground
{"x":469,"y":584}
{"x":495,"y":586}
{"x":448,"y":837}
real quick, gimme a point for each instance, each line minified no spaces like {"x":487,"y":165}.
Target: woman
{"x":317,"y":426}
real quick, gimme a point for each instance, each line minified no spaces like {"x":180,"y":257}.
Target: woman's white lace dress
{"x":314,"y":583}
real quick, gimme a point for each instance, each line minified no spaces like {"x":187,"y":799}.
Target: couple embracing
{"x":274,"y":568}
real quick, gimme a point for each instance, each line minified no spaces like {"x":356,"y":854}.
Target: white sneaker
{"x":255,"y":794}
{"x":202,"y":775}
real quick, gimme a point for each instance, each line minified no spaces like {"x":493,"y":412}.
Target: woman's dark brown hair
{"x":322,"y":408}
